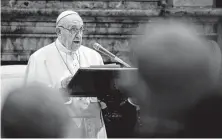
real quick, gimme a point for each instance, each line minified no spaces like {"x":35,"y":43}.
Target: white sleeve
{"x":30,"y":71}
{"x":37,"y":71}
{"x":100,"y":59}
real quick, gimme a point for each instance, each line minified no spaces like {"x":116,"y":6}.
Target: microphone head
{"x":96,"y":46}
{"x":102,"y":50}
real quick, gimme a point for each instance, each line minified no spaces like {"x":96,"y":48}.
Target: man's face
{"x":71,"y":32}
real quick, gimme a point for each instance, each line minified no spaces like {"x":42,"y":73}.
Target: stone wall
{"x":28,"y":25}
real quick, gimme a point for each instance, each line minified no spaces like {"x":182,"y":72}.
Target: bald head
{"x":175,"y":68}
{"x":171,"y":56}
{"x":34,"y":112}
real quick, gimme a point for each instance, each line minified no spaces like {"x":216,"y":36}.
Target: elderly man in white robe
{"x":61,"y":59}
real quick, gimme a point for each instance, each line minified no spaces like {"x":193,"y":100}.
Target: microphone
{"x":101,"y":49}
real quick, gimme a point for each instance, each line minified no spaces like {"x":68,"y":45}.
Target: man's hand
{"x":103,"y":105}
{"x":65,"y":81}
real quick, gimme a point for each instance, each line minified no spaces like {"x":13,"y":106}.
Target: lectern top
{"x":104,"y":68}
{"x":96,"y":81}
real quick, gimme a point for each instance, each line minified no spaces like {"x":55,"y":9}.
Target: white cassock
{"x":50,"y":64}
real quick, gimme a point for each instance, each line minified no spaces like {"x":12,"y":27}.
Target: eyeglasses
{"x":74,"y":30}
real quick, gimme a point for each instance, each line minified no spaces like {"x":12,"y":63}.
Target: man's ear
{"x":58,"y":31}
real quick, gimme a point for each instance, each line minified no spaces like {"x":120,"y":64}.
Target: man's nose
{"x":78,"y":34}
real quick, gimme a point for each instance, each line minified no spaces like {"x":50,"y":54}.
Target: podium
{"x":120,"y":117}
{"x":96,"y":82}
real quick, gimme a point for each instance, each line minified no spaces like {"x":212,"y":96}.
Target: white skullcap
{"x":64,"y":14}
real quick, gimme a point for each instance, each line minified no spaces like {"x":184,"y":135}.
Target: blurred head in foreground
{"x":175,"y":67}
{"x":34,"y":112}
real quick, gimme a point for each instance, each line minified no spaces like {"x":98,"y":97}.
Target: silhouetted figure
{"x":34,"y":111}
{"x":176,"y":68}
